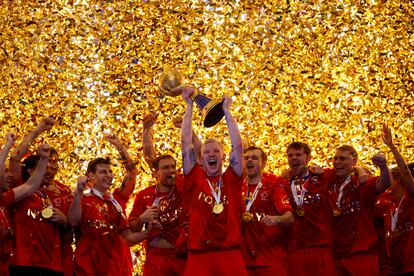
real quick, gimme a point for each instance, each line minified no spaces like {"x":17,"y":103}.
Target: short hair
{"x":264,"y":155}
{"x":156,"y":162}
{"x":98,"y":161}
{"x":300,"y":146}
{"x":411,"y":168}
{"x":29,"y":163}
{"x":349,"y":149}
{"x":212,"y":140}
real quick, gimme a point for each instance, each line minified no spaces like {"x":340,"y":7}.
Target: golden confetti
{"x":324,"y":72}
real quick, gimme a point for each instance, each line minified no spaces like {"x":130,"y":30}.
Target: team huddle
{"x":207,"y":220}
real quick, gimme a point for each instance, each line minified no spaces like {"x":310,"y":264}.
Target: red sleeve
{"x":139,"y":206}
{"x":280,"y":197}
{"x":179,"y":182}
{"x":67,"y":200}
{"x":329,"y":175}
{"x":7,"y":197}
{"x":193,"y":174}
{"x":121,"y":199}
{"x":369,"y":191}
{"x":123,"y":224}
{"x":383,"y":202}
{"x":238,"y":180}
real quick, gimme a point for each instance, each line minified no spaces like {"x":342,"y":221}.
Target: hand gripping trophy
{"x":211,"y":110}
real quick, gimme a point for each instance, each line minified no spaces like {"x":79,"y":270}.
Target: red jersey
{"x":171,"y":208}
{"x":123,"y":201}
{"x":265,"y":245}
{"x":61,"y":197}
{"x":354,"y":228}
{"x":209,"y":231}
{"x":384,"y":201}
{"x":125,"y":253}
{"x":6,"y":232}
{"x":400,"y":240}
{"x":312,"y":226}
{"x":382,"y":204}
{"x":99,"y":246}
{"x":37,"y":240}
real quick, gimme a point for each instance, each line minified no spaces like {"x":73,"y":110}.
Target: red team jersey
{"x":310,"y":236}
{"x":61,"y":197}
{"x":384,"y":201}
{"x":38,"y":240}
{"x":125,"y":253}
{"x":209,"y":231}
{"x":98,"y":248}
{"x":163,"y":261}
{"x":314,"y":227}
{"x":354,"y":228}
{"x":266,"y":245}
{"x":171,"y":208}
{"x":214,"y":238}
{"x":6,"y":232}
{"x":400,"y":242}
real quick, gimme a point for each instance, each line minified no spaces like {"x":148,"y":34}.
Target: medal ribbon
{"x":341,"y":191}
{"x":249,"y":202}
{"x":217,"y":195}
{"x":45,"y":199}
{"x":394,"y":216}
{"x":299,"y":201}
{"x":111,"y":198}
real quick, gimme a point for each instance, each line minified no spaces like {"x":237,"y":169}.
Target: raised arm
{"x":75,"y":209}
{"x":194,"y":138}
{"x":18,"y":153}
{"x":147,"y":142}
{"x":36,"y":178}
{"x":406,"y":176}
{"x":4,"y":152}
{"x":187,"y":149}
{"x":385,"y":174}
{"x":128,"y":183}
{"x":236,"y":155}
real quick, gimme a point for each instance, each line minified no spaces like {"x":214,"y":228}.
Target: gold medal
{"x":395,"y":234}
{"x":336,"y":212}
{"x":218,"y":208}
{"x":247,"y":217}
{"x":300,"y":211}
{"x":47,"y":213}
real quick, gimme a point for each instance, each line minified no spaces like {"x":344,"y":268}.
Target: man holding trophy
{"x":213,"y":198}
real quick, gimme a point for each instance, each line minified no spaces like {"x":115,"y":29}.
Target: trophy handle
{"x":211,"y":110}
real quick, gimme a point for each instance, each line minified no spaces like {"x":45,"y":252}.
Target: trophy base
{"x":214,"y":114}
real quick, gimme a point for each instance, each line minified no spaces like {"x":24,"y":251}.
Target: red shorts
{"x":163,"y":262}
{"x":4,"y":265}
{"x":312,"y":261}
{"x":223,"y":263}
{"x":267,"y":270}
{"x":67,"y":260}
{"x":363,"y":264}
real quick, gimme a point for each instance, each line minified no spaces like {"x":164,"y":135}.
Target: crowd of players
{"x":207,"y":220}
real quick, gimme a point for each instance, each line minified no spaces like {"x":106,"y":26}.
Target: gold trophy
{"x":211,"y":110}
